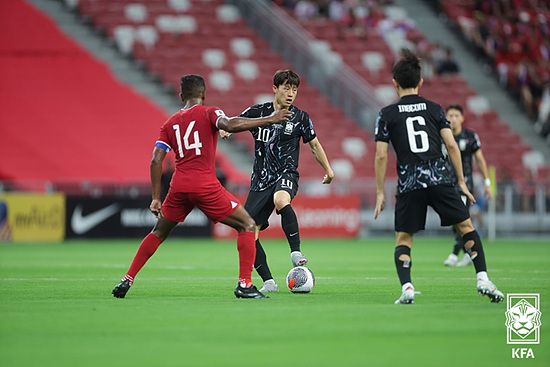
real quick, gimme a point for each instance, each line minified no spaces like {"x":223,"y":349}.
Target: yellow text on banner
{"x":33,"y":217}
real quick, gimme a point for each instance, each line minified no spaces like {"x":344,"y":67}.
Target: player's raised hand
{"x":280,"y":115}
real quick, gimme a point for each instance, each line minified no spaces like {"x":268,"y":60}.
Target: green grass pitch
{"x":56,"y":307}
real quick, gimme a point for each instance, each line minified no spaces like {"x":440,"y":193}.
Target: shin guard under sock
{"x":474,"y":248}
{"x":403,"y":263}
{"x":289,"y":222}
{"x":260,"y":264}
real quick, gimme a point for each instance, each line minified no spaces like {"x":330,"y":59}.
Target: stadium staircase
{"x":505,"y":130}
{"x":372,"y":54}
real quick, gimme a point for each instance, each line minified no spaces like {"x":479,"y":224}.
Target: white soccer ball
{"x":300,"y":280}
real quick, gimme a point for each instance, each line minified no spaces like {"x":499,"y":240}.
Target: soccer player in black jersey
{"x":274,"y":181}
{"x":470,"y":146}
{"x":417,"y":129}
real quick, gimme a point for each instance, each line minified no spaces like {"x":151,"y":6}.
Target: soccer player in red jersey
{"x":192,"y":133}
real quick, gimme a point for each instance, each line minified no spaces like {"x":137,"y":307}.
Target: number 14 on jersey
{"x":196,"y":144}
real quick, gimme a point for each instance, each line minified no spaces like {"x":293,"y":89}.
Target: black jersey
{"x":468,"y":142}
{"x":413,"y":126}
{"x":277,"y":146}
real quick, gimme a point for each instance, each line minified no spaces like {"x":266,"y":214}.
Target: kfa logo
{"x":523,"y":318}
{"x":522,"y":353}
{"x":288,"y":128}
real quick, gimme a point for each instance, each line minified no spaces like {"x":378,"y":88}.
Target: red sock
{"x":247,"y":254}
{"x":146,"y":249}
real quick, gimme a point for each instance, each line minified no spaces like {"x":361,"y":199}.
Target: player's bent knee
{"x":162,"y":228}
{"x":465,"y":227}
{"x":241,"y":221}
{"x":249,"y":225}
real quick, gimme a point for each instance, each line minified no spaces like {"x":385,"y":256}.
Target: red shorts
{"x":215,"y":202}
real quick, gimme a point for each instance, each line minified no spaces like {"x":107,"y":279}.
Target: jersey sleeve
{"x":163,"y":142}
{"x":381,"y":132}
{"x":476,"y":144}
{"x":213,"y":114}
{"x":307,"y":130}
{"x":442,"y":118}
{"x":251,"y":112}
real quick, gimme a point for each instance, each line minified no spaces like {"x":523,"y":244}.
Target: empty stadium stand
{"x":211,"y":39}
{"x":65,"y":117}
{"x":170,"y":38}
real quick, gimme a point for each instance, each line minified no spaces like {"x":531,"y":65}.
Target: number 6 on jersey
{"x":412,"y":133}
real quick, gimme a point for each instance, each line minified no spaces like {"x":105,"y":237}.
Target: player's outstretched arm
{"x":236,"y":124}
{"x":321,"y":157}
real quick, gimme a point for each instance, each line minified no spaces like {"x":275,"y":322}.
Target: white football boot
{"x":451,"y":260}
{"x":269,"y":286}
{"x":407,"y":297}
{"x":487,"y":288}
{"x":465,"y":261}
{"x":298,"y":259}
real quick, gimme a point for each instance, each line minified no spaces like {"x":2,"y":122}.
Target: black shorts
{"x":260,"y":205}
{"x":411,"y":208}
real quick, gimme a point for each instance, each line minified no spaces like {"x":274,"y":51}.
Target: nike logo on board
{"x":81,"y":224}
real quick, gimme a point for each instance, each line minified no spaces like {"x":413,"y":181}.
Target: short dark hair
{"x":407,"y":71}
{"x":286,"y":77}
{"x":454,"y":107}
{"x":192,"y":86}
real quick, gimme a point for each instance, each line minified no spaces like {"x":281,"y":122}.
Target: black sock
{"x":289,"y":222}
{"x":476,"y":251}
{"x":260,"y":264}
{"x":403,"y":267}
{"x":459,"y":243}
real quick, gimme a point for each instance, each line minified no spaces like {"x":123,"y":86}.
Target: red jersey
{"x":193,"y":136}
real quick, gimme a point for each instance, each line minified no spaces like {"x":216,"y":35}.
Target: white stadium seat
{"x":247,"y":69}
{"x":179,"y":5}
{"x":354,"y":147}
{"x":136,"y":13}
{"x":373,"y":61}
{"x":242,"y":47}
{"x":228,"y":13}
{"x":221,"y":80}
{"x":148,"y":35}
{"x":386,"y":93}
{"x":124,"y":38}
{"x":214,"y":58}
